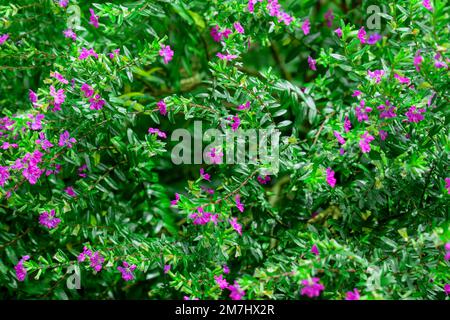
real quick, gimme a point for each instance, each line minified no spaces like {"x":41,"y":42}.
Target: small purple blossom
{"x":215,"y":156}
{"x":21,"y":272}
{"x":66,"y":140}
{"x":312,"y":288}
{"x":236,"y":292}
{"x":374,"y":38}
{"x":238,"y":27}
{"x":166,"y":53}
{"x":158,"y":132}
{"x":86,"y":53}
{"x":166,"y":268}
{"x":48,"y":220}
{"x":415,"y":115}
{"x":338,"y":31}
{"x":329,"y":17}
{"x":226,"y":270}
{"x":312,"y":63}
{"x":162,"y":107}
{"x":175,"y":202}
{"x":315,"y":249}
{"x":339,"y":138}
{"x":204,"y":175}
{"x":364,"y":142}
{"x":236,"y":226}
{"x":244,"y":106}
{"x":427,"y":5}
{"x":447,"y":186}
{"x":93,"y":19}
{"x":376,"y":74}
{"x":306,"y":27}
{"x":221,"y":282}
{"x":362,"y":35}
{"x":352,"y":295}
{"x":127,"y":271}
{"x":383,"y":134}
{"x":3,"y":38}
{"x":87,"y":89}
{"x":70,"y":34}
{"x":239,"y":204}
{"x":418,"y":59}
{"x":331,"y":180}
{"x":226,"y":56}
{"x":347,"y":124}
{"x":70,"y":191}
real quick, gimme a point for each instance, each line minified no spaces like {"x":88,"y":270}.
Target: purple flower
{"x":86,"y":53}
{"x":414,"y":114}
{"x":306,"y":27}
{"x":58,"y":98}
{"x":331,"y":180}
{"x":387,"y":111}
{"x":312,"y":288}
{"x":21,"y":272}
{"x":427,"y":5}
{"x":69,"y":33}
{"x":377,"y":75}
{"x":285,"y":18}
{"x":167,"y":268}
{"x":96,"y":261}
{"x":81,"y":171}
{"x":347,"y":124}
{"x":66,"y":140}
{"x":236,"y":226}
{"x":352,"y":295}
{"x":236,"y":292}
{"x":3,"y":38}
{"x":364,"y":143}
{"x":162,"y":107}
{"x":70,"y":191}
{"x":175,"y":202}
{"x":59,"y":77}
{"x":36,"y":123}
{"x":4,"y":175}
{"x":447,"y":186}
{"x":338,"y":31}
{"x":33,"y":96}
{"x":63,"y":3}
{"x":48,"y":220}
{"x":447,"y":288}
{"x":418,"y":59}
{"x":447,"y":182}
{"x":215,"y":156}
{"x":315,"y":249}
{"x":221,"y":282}
{"x":238,"y":27}
{"x":158,"y":132}
{"x":204,"y":175}
{"x":362,"y":111}
{"x":264,"y":180}
{"x":235,"y":123}
{"x":114,"y":53}
{"x":86,"y":253}
{"x":127,"y":271}
{"x":356,"y":93}
{"x":312,"y":63}
{"x":226,"y":270}
{"x":362,"y":35}
{"x":374,"y":38}
{"x":403,"y":80}
{"x":93,"y":19}
{"x":437,"y":61}
{"x":166,"y":53}
{"x":383,"y":134}
{"x":273,"y":7}
{"x":201,"y":217}
{"x":251,"y":5}
{"x":96,"y":102}
{"x":329,"y":17}
{"x":239,"y":205}
{"x":244,"y":106}
{"x":339,"y":138}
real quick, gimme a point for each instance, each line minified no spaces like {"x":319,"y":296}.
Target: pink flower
{"x":437,"y":61}
{"x":447,"y":182}
{"x":86,"y":53}
{"x":70,"y":34}
{"x":221,"y":282}
{"x":167,"y":268}
{"x":236,"y":292}
{"x":215,"y":156}
{"x":201,"y":217}
{"x":447,"y":289}
{"x":387,"y":111}
{"x":244,"y":106}
{"x":311,"y":63}
{"x":377,"y":75}
{"x":364,"y":143}
{"x":87,"y":89}
{"x":204,"y":175}
{"x":285,"y":18}
{"x":239,"y":205}
{"x":315,"y":249}
{"x":427,"y":5}
{"x":338,"y":31}
{"x":226,"y":270}
{"x":114,"y":53}
{"x":356,"y":93}
{"x":63,"y":3}
{"x":362,"y":35}
{"x":447,"y":186}
{"x":21,"y":272}
{"x":352,"y":295}
{"x":236,"y":226}
{"x":218,"y":35}
{"x":36,"y":123}
{"x":414,"y":114}
{"x":401,"y":79}
{"x":81,"y":171}
{"x":59,"y":77}
{"x":418,"y":59}
{"x":235,"y":123}
{"x":329,"y":17}
{"x":48,"y":220}
{"x":162,"y":107}
{"x":312,"y":288}
{"x":158,"y":132}
{"x":93,"y":19}
{"x":238,"y":27}
{"x":58,"y":98}
{"x":339,"y":138}
{"x":66,"y":140}
{"x":96,"y":102}
{"x":70,"y":191}
{"x":175,"y":202}
{"x":347,"y":124}
{"x":362,"y":111}
{"x":127,"y":271}
{"x":306,"y":27}
{"x":273,"y":7}
{"x":3,"y":38}
{"x":226,"y":56}
{"x":96,"y":261}
{"x":331,"y":180}
{"x":166,"y":53}
{"x":86,"y":253}
{"x":251,"y":5}
{"x":4,"y":175}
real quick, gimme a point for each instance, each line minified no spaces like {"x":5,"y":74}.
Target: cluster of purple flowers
{"x":95,"y":258}
{"x":48,"y":219}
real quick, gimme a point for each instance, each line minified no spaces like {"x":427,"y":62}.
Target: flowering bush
{"x":93,"y":205}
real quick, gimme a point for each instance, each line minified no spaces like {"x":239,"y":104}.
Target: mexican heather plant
{"x":91,"y":94}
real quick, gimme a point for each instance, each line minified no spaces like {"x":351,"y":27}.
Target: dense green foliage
{"x":381,"y":229}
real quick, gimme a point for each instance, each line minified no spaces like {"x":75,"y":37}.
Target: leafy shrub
{"x":358,"y":208}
